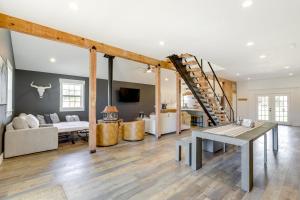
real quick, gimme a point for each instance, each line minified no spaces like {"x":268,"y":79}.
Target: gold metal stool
{"x":134,"y":131}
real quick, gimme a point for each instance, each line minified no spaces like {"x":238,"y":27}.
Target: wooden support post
{"x":157,"y":102}
{"x":178,"y":103}
{"x":92,"y":100}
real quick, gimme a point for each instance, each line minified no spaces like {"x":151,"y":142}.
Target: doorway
{"x":273,"y":108}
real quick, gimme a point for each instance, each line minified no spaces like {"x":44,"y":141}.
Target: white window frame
{"x":9,"y":92}
{"x":71,"y":81}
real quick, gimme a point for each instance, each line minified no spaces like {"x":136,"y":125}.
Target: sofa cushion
{"x":19,"y":123}
{"x":47,"y":119}
{"x":41,"y":119}
{"x":32,"y":121}
{"x":54,"y":118}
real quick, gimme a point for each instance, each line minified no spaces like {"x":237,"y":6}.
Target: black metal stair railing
{"x":226,"y":106}
{"x":177,"y":62}
{"x":213,"y":88}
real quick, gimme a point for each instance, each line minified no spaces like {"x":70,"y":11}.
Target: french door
{"x":273,"y":108}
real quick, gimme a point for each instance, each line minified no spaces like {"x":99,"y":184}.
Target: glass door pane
{"x":263,"y":108}
{"x":281,"y":108}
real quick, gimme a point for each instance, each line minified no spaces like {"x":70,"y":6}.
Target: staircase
{"x":205,"y":87}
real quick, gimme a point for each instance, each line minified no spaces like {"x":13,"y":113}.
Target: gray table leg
{"x":275,"y":138}
{"x":265,"y":148}
{"x":247,"y":166}
{"x":196,"y":153}
{"x":178,"y":152}
{"x":188,"y":154}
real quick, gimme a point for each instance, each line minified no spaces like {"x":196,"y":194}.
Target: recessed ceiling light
{"x":166,"y":79}
{"x":73,"y":6}
{"x":237,"y":74}
{"x":247,"y":3}
{"x":291,"y":74}
{"x":263,"y":56}
{"x":293,"y":45}
{"x":248,"y":78}
{"x":53,"y":60}
{"x":287,"y":67}
{"x":249,"y":44}
{"x":161,"y":43}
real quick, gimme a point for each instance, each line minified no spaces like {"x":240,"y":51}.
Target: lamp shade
{"x":110,"y":109}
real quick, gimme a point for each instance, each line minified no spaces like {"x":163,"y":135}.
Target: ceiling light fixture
{"x":149,"y":70}
{"x":166,"y":79}
{"x":53,"y":60}
{"x":247,"y":3}
{"x":248,"y":78}
{"x":263,"y":56}
{"x":291,"y":74}
{"x":161,"y":43}
{"x":287,"y":67}
{"x":249,"y":44}
{"x":73,"y":6}
{"x":238,"y":74}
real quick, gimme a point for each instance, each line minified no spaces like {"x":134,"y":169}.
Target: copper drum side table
{"x":107,"y":133}
{"x":134,"y":131}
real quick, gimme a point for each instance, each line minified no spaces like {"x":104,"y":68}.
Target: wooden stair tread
{"x":193,"y":69}
{"x":193,"y":62}
{"x":185,"y":55}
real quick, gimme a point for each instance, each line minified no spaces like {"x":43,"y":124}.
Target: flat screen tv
{"x":129,"y":95}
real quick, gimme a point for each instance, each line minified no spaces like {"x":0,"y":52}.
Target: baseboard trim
{"x":1,"y":158}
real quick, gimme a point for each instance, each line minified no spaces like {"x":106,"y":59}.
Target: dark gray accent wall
{"x":6,"y":51}
{"x":28,"y":101}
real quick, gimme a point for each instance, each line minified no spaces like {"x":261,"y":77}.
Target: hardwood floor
{"x":148,"y":170}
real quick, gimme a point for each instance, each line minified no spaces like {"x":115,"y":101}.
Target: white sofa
{"x":168,"y":123}
{"x":31,"y":140}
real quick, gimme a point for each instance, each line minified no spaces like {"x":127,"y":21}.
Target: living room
{"x":133,"y":108}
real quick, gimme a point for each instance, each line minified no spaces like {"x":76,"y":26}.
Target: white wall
{"x":249,"y":90}
{"x":168,"y":88}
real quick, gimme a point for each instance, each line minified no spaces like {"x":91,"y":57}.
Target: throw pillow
{"x":76,"y":118}
{"x":32,"y":121}
{"x":23,"y":115}
{"x":19,"y":123}
{"x":41,"y":119}
{"x":69,"y":118}
{"x":47,"y":119}
{"x":248,"y":123}
{"x":9,"y":127}
{"x":54,"y":118}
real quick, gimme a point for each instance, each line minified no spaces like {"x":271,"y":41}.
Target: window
{"x":9,"y":107}
{"x":71,"y":95}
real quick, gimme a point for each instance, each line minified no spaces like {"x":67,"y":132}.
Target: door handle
{"x":270,"y":109}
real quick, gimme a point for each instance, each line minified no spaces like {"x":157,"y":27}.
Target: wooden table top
{"x":240,"y":139}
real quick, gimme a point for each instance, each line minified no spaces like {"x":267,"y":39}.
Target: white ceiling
{"x":212,"y":29}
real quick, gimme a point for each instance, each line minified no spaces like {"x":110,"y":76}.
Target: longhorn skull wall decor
{"x":40,"y":89}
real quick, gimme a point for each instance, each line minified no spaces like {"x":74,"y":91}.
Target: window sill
{"x":71,"y":110}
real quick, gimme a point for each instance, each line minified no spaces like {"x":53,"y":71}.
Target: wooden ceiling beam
{"x":30,"y":28}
